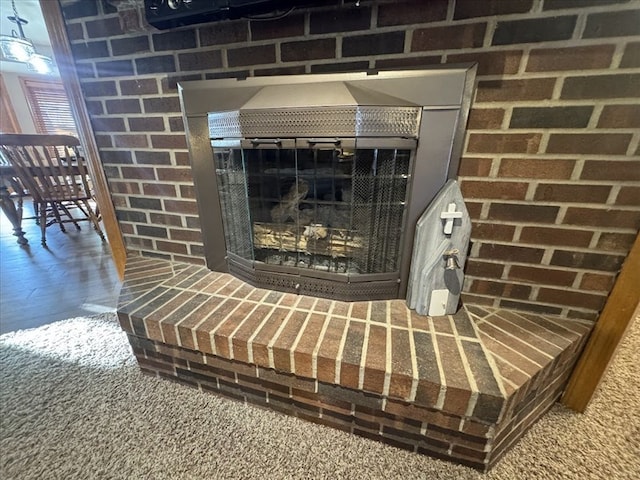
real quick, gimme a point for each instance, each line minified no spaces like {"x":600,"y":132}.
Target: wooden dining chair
{"x":55,"y":174}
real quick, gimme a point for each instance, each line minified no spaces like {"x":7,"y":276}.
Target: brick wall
{"x":551,"y":167}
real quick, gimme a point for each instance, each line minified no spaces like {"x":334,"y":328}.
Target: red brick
{"x":631,"y":57}
{"x":556,"y":236}
{"x":130,"y":141}
{"x":174,"y":174}
{"x":168,"y":141}
{"x":185,"y":235}
{"x":406,"y":13}
{"x":147,"y":124}
{"x":328,"y":351}
{"x":303,"y":354}
{"x":515,"y":90}
{"x":597,"y":282}
{"x":602,"y":217}
{"x":512,"y":253}
{"x":138,"y":173}
{"x":473,"y":8}
{"x":146,"y":86}
{"x":589,"y":143}
{"x":419,"y":322}
{"x":448,"y":38}
{"x":177,"y":206}
{"x":544,"y":276}
{"x":159,"y":189}
{"x":264,"y":336}
{"x":289,"y":26}
{"x":601,"y":86}
{"x":623,"y":170}
{"x":351,"y":355}
{"x":491,"y":63}
{"x":485,"y":118}
{"x":576,"y":299}
{"x":225,"y":329}
{"x":203,"y":336}
{"x":375,"y":362}
{"x":401,"y":364}
{"x":476,"y":268}
{"x":536,"y":168}
{"x":553,"y":192}
{"x":503,"y":142}
{"x":255,"y":55}
{"x":308,"y":50}
{"x":172,"y":247}
{"x":516,"y":212}
{"x":458,"y":390}
{"x":246,"y":330}
{"x":574,"y":58}
{"x":494,"y":190}
{"x":284,"y":342}
{"x":492,"y":231}
{"x":616,"y":242}
{"x":620,"y":116}
{"x":442,"y":324}
{"x":628,"y":196}
{"x":124,"y":187}
{"x":586,"y":260}
{"x":474,"y":167}
{"x":474,"y":209}
{"x":500,"y":289}
{"x":225,"y":32}
{"x":398,"y":313}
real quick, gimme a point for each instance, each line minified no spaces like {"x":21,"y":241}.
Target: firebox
{"x":314,"y":184}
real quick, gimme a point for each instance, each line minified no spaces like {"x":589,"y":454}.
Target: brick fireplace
{"x":549,"y":172}
{"x":461,"y":387}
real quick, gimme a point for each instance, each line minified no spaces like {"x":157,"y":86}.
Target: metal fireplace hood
{"x":328,"y":109}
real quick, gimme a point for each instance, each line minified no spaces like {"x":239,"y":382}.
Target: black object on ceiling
{"x":166,"y":14}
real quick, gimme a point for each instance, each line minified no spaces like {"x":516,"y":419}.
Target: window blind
{"x":49,"y":107}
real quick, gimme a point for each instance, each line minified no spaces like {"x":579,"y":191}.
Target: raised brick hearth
{"x":462,"y":387}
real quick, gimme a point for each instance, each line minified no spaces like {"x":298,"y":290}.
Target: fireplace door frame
{"x":347,"y":285}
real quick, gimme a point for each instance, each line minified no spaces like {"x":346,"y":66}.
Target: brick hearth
{"x":462,"y":387}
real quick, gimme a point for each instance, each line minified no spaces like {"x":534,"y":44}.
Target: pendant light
{"x":17,"y":48}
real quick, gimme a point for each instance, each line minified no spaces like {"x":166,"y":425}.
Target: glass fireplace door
{"x":316,"y":206}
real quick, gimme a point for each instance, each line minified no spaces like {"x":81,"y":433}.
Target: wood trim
{"x":609,"y":330}
{"x":9,"y":122}
{"x":62,"y":52}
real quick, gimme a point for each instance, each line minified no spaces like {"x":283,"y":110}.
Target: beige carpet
{"x":73,"y":405}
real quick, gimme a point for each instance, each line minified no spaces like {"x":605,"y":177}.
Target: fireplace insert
{"x":313,"y":184}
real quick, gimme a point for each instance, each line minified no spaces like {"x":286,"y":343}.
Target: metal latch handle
{"x":336,"y":142}
{"x":256,"y":141}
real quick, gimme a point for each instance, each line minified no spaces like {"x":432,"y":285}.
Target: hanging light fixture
{"x":16,"y":47}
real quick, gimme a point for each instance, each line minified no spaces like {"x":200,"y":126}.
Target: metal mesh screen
{"x":232,"y":191}
{"x":348,"y":121}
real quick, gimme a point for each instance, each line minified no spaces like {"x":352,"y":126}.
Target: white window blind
{"x":49,"y":106}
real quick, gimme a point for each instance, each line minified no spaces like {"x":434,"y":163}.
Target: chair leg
{"x":94,"y":219}
{"x":56,"y":214}
{"x":68,"y":214}
{"x":43,"y":223}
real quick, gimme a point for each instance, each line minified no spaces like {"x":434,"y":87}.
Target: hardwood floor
{"x":73,"y":276}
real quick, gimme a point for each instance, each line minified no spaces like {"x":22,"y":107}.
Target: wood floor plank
{"x":74,"y":276}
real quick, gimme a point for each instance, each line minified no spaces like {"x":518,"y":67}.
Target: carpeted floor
{"x":73,"y":405}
